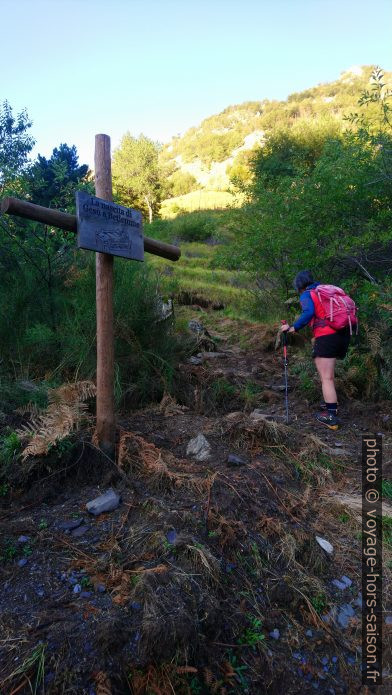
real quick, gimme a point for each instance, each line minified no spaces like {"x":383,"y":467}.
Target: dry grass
{"x":159,"y":468}
{"x":250,"y":433}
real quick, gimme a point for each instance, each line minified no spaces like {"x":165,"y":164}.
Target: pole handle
{"x":284,"y":333}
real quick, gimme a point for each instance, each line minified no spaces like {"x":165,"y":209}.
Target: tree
{"x":137,"y":177}
{"x":33,"y":256}
{"x":182,"y":182}
{"x":15,"y":144}
{"x":52,"y":182}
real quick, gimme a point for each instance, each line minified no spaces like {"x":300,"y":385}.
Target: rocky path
{"x":228,"y":563}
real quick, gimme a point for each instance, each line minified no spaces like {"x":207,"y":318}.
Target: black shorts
{"x":333,"y":345}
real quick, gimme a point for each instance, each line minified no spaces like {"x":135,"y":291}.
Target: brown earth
{"x":207,"y":578}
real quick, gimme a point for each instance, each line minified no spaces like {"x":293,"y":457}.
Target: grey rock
{"x":77,"y":589}
{"x":196,"y":326}
{"x":104,"y":503}
{"x":22,"y":562}
{"x":213,"y":355}
{"x":28,"y":386}
{"x":343,"y":453}
{"x":195,"y":360}
{"x":326,"y":545}
{"x":199,"y":448}
{"x":234,"y":460}
{"x":79,"y":531}
{"x":346,"y":612}
{"x":340,"y":585}
{"x":346,"y":580}
{"x":338,"y":444}
{"x":70,"y":525}
{"x":330,"y":616}
{"x":275,"y":634}
{"x":171,"y":536}
{"x":23,"y":539}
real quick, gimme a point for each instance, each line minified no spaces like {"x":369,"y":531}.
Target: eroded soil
{"x":207,"y":578}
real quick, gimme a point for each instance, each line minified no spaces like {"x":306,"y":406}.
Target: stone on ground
{"x":104,"y":503}
{"x":199,"y":448}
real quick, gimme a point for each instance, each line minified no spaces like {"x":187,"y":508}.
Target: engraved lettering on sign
{"x":109,"y":228}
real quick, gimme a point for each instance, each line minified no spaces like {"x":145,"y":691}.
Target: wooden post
{"x":105,"y":431}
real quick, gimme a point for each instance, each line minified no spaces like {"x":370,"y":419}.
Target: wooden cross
{"x":105,"y":429}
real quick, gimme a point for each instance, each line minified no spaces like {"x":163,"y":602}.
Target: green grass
{"x":386,"y":487}
{"x":199,"y":200}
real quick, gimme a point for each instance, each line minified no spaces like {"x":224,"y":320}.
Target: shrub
{"x":146,"y":348}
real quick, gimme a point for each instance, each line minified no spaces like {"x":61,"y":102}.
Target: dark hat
{"x":302,"y":280}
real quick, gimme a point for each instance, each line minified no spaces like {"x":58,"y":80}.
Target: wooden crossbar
{"x":63,"y":220}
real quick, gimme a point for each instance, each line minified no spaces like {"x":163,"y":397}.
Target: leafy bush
{"x":195,"y":226}
{"x":146,"y":348}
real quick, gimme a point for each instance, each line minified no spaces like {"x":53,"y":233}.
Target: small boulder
{"x":325,"y":545}
{"x":346,"y":580}
{"x":234,"y":461}
{"x":195,"y":360}
{"x":199,"y":448}
{"x":70,"y":525}
{"x":104,"y":503}
{"x":346,"y":612}
{"x":79,"y":531}
{"x":342,"y":453}
{"x":171,"y":536}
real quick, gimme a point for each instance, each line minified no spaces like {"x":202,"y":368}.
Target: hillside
{"x":220,"y":146}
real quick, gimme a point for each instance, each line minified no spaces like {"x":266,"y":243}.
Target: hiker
{"x":329,"y":343}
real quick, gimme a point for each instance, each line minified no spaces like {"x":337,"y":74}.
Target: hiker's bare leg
{"x":326,"y":369}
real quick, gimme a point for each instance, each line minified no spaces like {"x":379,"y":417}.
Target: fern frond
{"x":63,"y":415}
{"x":103,"y":684}
{"x":373,"y":336}
{"x":30,"y":409}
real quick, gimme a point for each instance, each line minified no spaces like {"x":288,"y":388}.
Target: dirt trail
{"x":208,"y":577}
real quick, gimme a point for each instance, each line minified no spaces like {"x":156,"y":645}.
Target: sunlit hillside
{"x":211,"y":155}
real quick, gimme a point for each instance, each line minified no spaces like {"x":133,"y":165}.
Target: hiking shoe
{"x":329,"y":420}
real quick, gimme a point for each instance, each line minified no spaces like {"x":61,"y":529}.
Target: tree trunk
{"x":146,"y":198}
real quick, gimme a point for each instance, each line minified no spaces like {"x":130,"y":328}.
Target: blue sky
{"x":82,"y":67}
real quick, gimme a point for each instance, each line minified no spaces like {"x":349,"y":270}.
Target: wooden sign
{"x":108,"y":228}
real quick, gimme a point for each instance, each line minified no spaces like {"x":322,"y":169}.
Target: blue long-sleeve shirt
{"x":307,"y":305}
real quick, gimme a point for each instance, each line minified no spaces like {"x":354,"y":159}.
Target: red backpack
{"x":339,"y":310}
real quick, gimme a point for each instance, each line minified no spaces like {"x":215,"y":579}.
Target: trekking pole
{"x":284,"y":342}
